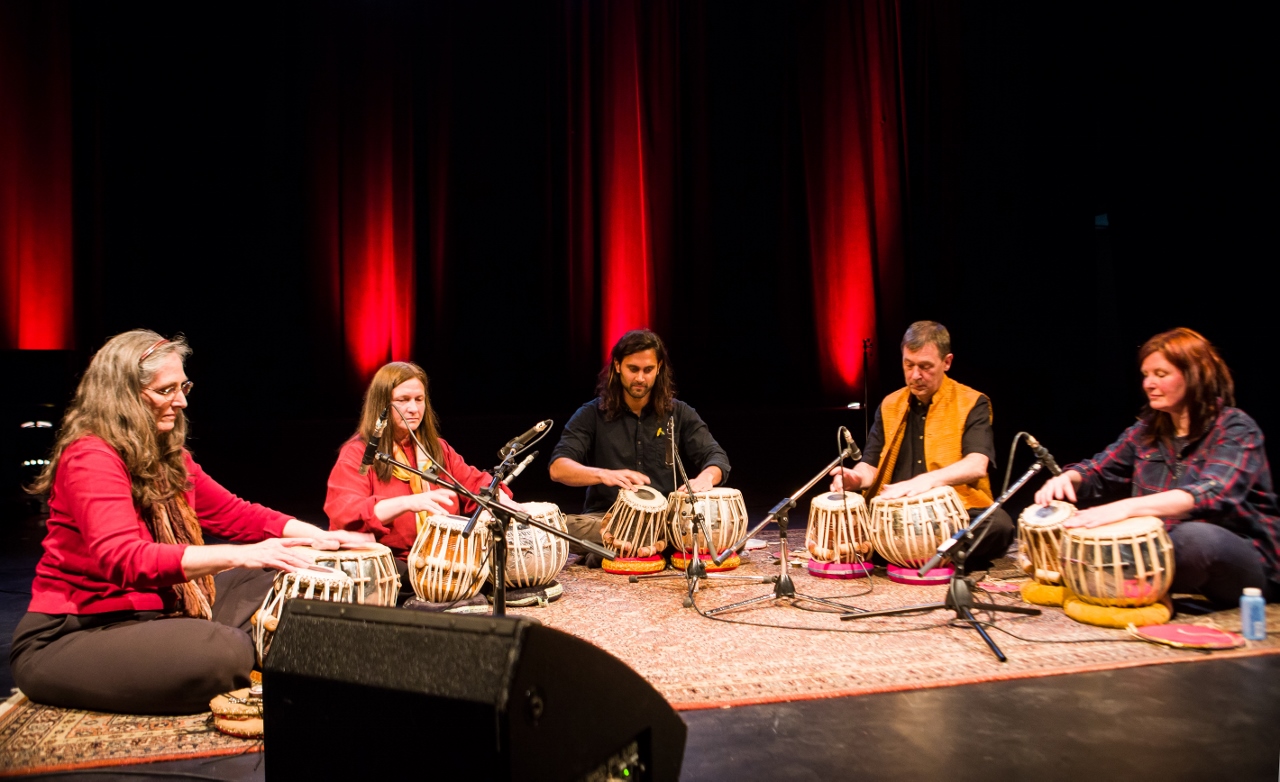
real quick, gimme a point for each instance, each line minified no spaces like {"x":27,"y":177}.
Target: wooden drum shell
{"x":636,"y":525}
{"x":837,"y":534}
{"x":370,"y":566}
{"x":443,"y":565}
{"x":328,"y":584}
{"x":1040,"y":541}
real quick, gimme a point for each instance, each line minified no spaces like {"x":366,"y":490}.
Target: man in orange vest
{"x":939,"y":435}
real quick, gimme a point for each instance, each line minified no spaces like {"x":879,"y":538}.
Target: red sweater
{"x":351,"y":497}
{"x":99,"y":555}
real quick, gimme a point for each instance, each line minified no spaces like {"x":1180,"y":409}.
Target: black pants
{"x":999,"y":534}
{"x":1215,"y":562}
{"x":138,"y":662}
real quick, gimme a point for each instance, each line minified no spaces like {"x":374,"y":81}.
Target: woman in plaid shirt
{"x":1196,"y":462}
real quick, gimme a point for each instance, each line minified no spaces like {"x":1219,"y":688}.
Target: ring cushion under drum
{"x":724,"y":516}
{"x":315,"y":583}
{"x":237,"y":714}
{"x":1128,"y":564}
{"x":911,"y":575}
{"x":680,"y":561}
{"x":1043,"y":594}
{"x":907,"y":531}
{"x":535,"y":556}
{"x":636,"y":527}
{"x":443,"y":565}
{"x":838,"y":536}
{"x":1114,"y":616}
{"x":371,"y":567}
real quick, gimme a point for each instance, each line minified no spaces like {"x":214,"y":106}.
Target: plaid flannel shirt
{"x":1226,"y":472}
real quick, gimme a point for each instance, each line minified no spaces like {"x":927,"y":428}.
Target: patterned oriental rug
{"x":767,"y":653}
{"x":776,"y":652}
{"x":37,"y":739}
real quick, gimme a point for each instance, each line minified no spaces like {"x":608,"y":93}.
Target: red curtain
{"x":621,"y":79}
{"x":35,"y":176}
{"x":851,"y":114}
{"x":363,"y":188}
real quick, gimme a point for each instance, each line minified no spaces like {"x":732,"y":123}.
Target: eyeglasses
{"x":167,"y":393}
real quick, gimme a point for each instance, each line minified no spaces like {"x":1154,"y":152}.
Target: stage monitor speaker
{"x":356,"y":691}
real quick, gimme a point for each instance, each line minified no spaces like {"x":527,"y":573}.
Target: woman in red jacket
{"x":387,"y":501}
{"x":124,"y":550}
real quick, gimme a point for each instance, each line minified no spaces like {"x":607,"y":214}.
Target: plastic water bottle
{"x":1253,"y":614}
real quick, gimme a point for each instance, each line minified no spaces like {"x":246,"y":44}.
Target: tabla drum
{"x":443,"y":565}
{"x":316,"y":582}
{"x":636,"y":527}
{"x":1040,"y":540}
{"x":725,"y":516}
{"x":371,"y":566}
{"x":1128,"y":564}
{"x":908,"y":530}
{"x":535,"y":556}
{"x":839,"y":536}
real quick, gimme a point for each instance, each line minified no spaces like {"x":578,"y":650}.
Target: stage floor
{"x":1217,"y":719}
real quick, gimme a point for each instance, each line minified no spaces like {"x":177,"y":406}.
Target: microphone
{"x":526,"y":438}
{"x":371,"y":450}
{"x":855,"y":453}
{"x":1043,"y":456}
{"x":519,"y":468}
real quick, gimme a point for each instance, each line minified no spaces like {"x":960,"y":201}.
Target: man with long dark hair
{"x":622,"y":439}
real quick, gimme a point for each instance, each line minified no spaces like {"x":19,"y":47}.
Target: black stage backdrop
{"x":1074,"y":181}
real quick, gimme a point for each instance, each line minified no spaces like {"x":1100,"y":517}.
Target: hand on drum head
{"x":1062,"y":487}
{"x":623,"y":479}
{"x":1096,"y":517}
{"x":273,"y":553}
{"x":698,"y":483}
{"x":917,"y":485}
{"x":845,"y":479}
{"x":442,"y":502}
{"x":332,"y":540}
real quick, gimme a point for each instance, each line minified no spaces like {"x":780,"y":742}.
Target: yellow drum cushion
{"x":628,"y":566}
{"x":1110,"y":616}
{"x":236,"y":714}
{"x":1042,"y":594}
{"x":680,"y":561}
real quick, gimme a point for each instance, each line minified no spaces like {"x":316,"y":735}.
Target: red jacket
{"x":351,"y":497}
{"x":99,"y":555}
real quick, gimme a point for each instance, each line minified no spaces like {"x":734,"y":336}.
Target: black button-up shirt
{"x":640,"y":443}
{"x":977,"y":438}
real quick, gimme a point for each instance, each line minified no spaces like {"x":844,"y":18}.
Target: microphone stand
{"x":960,"y":589}
{"x":501,"y":516}
{"x":696,"y":568}
{"x":783,"y":586}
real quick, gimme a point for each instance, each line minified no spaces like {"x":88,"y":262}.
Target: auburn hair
{"x":1209,"y":383}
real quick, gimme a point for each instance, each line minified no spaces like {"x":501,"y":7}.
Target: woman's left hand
{"x":1096,"y":517}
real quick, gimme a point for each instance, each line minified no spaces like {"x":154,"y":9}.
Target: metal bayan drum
{"x":314,"y":583}
{"x":443,"y":565}
{"x":636,"y":527}
{"x":371,"y":566}
{"x":839,"y":536}
{"x":724,"y":515}
{"x":1040,"y":540}
{"x":908,"y":530}
{"x":535,"y":556}
{"x":1128,"y":564}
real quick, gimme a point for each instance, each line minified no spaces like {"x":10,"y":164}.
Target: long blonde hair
{"x":108,"y":403}
{"x":376,"y":400}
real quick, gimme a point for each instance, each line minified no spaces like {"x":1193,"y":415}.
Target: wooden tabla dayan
{"x":535,"y":556}
{"x":907,"y":531}
{"x":1040,"y":540}
{"x":316,"y":582}
{"x":1040,"y":551}
{"x":839,"y":536}
{"x":725,"y":516}
{"x":636,"y":527}
{"x":371,"y":566}
{"x":443,"y":565}
{"x":1128,"y":564}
